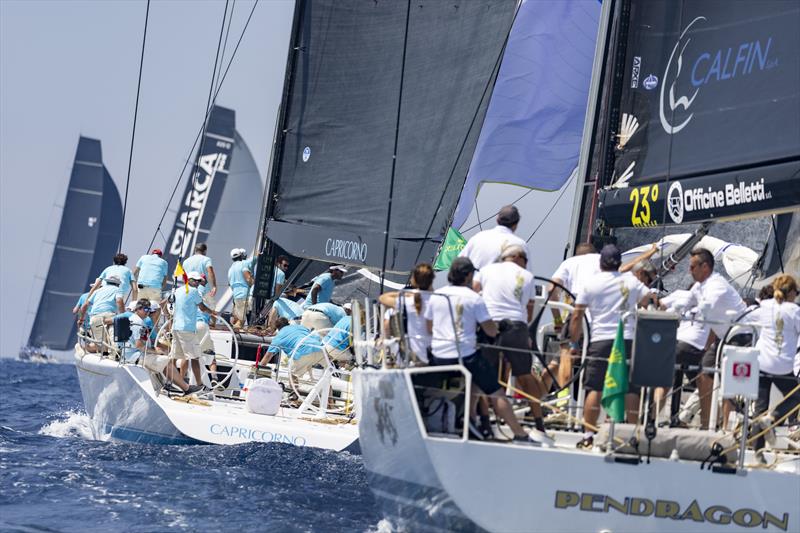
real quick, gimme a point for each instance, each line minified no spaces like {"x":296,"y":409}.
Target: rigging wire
{"x":489,"y":84}
{"x":199,"y":133}
{"x":205,"y":122}
{"x":490,"y":217}
{"x":225,"y":42}
{"x":133,"y":130}
{"x":555,"y":203}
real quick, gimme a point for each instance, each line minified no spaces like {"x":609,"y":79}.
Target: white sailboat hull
{"x":123,"y":403}
{"x":448,"y":483}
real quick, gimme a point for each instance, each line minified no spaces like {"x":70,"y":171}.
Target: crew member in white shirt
{"x":485,"y":247}
{"x":607,"y":296}
{"x":720,"y":304}
{"x":457,"y":305}
{"x":692,"y":338}
{"x":414,"y":304}
{"x":779,"y":319}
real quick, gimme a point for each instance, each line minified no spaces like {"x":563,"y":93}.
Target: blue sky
{"x":69,"y":68}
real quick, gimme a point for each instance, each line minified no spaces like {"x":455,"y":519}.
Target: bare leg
{"x":504,"y":410}
{"x":196,"y":371}
{"x":631,"y":408}
{"x":704,"y":384}
{"x":591,"y":409}
{"x":533,"y":386}
{"x":564,"y":365}
{"x":174,"y":375}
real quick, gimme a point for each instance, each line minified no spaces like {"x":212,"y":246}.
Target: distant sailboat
{"x":87,"y":239}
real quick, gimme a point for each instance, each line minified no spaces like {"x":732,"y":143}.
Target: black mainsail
{"x":383,"y":104}
{"x":87,"y":239}
{"x":696,"y":120}
{"x":204,"y":190}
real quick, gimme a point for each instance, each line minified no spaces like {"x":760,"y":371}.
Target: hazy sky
{"x":69,"y":68}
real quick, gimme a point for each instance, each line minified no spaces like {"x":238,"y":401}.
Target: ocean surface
{"x":55,"y":477}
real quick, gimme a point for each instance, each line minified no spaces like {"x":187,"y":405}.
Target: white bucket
{"x":264,"y":397}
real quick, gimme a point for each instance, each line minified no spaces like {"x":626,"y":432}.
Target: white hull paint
{"x":435,"y":483}
{"x":123,"y":403}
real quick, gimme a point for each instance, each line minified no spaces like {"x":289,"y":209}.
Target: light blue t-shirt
{"x":197,"y":263}
{"x":123,"y":273}
{"x":186,"y":311}
{"x":332,"y":311}
{"x":152,"y":270}
{"x":288,"y":309}
{"x":295,"y":336}
{"x":201,"y":316}
{"x":239,"y":285}
{"x":339,"y":336}
{"x":325,"y":282}
{"x":104,"y":300}
{"x":81,"y":301}
{"x":280,"y":279}
{"x":148,"y":323}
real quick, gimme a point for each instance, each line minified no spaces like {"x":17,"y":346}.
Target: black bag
{"x":122,"y":328}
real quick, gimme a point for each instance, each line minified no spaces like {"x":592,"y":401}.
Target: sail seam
{"x":85,"y":191}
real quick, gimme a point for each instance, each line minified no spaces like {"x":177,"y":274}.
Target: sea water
{"x":55,"y":477}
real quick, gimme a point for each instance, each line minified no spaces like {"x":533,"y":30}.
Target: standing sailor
{"x":322,"y":286}
{"x":508,"y":291}
{"x":184,"y":325}
{"x":607,"y":296}
{"x":151,"y":275}
{"x":718,"y":302}
{"x":122,"y":273}
{"x":200,"y":262}
{"x":485,"y":247}
{"x":240,"y":280}
{"x":279,"y":281}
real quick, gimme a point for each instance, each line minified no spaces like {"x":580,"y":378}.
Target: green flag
{"x":616,"y":383}
{"x":453,"y":244}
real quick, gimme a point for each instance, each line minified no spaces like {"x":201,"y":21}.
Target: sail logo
{"x":681,"y":201}
{"x":306,"y":154}
{"x":91,"y":222}
{"x":707,"y":67}
{"x":650,"y":82}
{"x":194,"y":204}
{"x":635,"y":69}
{"x":346,"y":250}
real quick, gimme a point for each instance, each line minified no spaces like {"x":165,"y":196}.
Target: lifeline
{"x":714,"y":514}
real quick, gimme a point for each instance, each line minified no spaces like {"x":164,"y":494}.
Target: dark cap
{"x":610,"y":257}
{"x":508,"y":215}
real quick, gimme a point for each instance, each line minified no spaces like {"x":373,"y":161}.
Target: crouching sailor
{"x":303,"y":346}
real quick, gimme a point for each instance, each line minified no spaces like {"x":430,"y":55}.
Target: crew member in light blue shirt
{"x":281,"y":267}
{"x":333,"y":312}
{"x":77,"y":309}
{"x":151,"y":275}
{"x":303,"y":346}
{"x":121,"y":272}
{"x":322,"y":286}
{"x":200,"y":262}
{"x":105,"y":301}
{"x":184,"y":324}
{"x":338,"y":340}
{"x":240,"y":280}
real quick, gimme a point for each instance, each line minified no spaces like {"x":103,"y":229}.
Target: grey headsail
{"x":238,"y":211}
{"x":202,"y":195}
{"x":703,"y":122}
{"x":382,"y":108}
{"x":87,"y":239}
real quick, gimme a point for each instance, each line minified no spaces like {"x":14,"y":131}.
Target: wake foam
{"x":73,"y":424}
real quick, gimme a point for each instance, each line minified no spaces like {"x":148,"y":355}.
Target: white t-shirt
{"x":462,"y":306}
{"x":416,"y":326}
{"x":485,"y":247}
{"x":575,"y":271}
{"x":607,"y":296}
{"x":506,"y":289}
{"x":715,"y":297}
{"x":778,"y":336}
{"x":693,"y":332}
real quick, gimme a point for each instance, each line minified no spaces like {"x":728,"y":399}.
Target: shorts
{"x":315,"y":320}
{"x":513,"y":335}
{"x":688,"y":355}
{"x":335,"y":354}
{"x":101,"y":332}
{"x":595,"y":374}
{"x":184,"y":345}
{"x":240,"y":309}
{"x":156,"y":362}
{"x":205,"y":343}
{"x":484,"y":373}
{"x":710,"y":356}
{"x":305,"y":363}
{"x":150,"y":293}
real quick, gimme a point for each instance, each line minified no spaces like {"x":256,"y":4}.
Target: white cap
{"x":347,"y":306}
{"x":154,"y":304}
{"x":195,"y":275}
{"x":340,"y":268}
{"x":131,"y":306}
{"x":234,"y":253}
